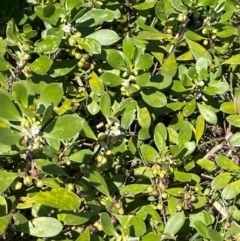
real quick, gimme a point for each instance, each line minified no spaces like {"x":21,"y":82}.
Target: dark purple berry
{"x":190,"y":206}
{"x":165,"y":181}
{"x":114,"y":220}
{"x":87,"y":64}
{"x":93,"y":229}
{"x":80,"y":194}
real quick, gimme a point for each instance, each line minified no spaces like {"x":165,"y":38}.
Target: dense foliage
{"x":119,"y":120}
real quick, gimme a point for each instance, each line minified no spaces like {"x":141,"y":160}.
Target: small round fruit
{"x":78,"y":34}
{"x":164,"y":195}
{"x":155,"y":193}
{"x":150,"y":189}
{"x":34,"y":172}
{"x":104,"y":160}
{"x":161,"y":174}
{"x":18,"y":186}
{"x":108,"y":152}
{"x":70,"y":186}
{"x":39,"y":183}
{"x":160,"y":206}
{"x":187,"y":196}
{"x":190,"y":206}
{"x":93,"y":229}
{"x":214,"y":31}
{"x":87,"y":64}
{"x":114,"y":220}
{"x":178,"y":208}
{"x":118,"y":205}
{"x":169,"y":31}
{"x":78,"y":55}
{"x":26,"y":57}
{"x":68,"y":162}
{"x":98,"y":158}
{"x":213,"y":37}
{"x":205,"y":42}
{"x":80,"y":64}
{"x":71,"y":41}
{"x":27,"y":180}
{"x":101,"y":136}
{"x":165,"y":181}
{"x":204,"y":31}
{"x":80,"y":194}
{"x":193,"y":198}
{"x":180,"y":17}
{"x":72,"y":52}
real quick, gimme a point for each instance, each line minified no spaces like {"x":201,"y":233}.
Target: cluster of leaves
{"x":119,"y":120}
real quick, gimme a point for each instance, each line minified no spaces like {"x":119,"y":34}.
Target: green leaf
{"x":20,"y":94}
{"x":47,"y":115}
{"x":150,"y":237}
{"x":49,"y":167}
{"x":185,"y":133}
{"x":41,"y":65}
{"x":169,"y":67}
{"x":6,"y":179}
{"x":105,"y":105}
{"x":111,"y":79}
{"x":4,"y":221}
{"x":60,"y":198}
{"x":200,"y":126}
{"x":137,"y":227}
{"x":3,"y":46}
{"x":144,"y":62}
{"x":159,"y":141}
{"x":128,"y":117}
{"x":8,"y":110}
{"x":228,"y":107}
{"x":64,"y":127}
{"x":84,"y":236}
{"x":96,"y":179}
{"x":82,"y":156}
{"x":9,"y":137}
{"x":234,"y":140}
{"x":207,"y":114}
{"x":96,"y":84}
{"x":235,"y":60}
{"x":231,"y":190}
{"x":217,"y":88}
{"x":154,"y":98}
{"x":149,"y":154}
{"x":214,"y":235}
{"x":144,"y":117}
{"x":226,"y":164}
{"x":4,"y":65}
{"x":234,"y":120}
{"x":133,"y":189}
{"x":51,"y":94}
{"x":63,"y":67}
{"x":105,"y":37}
{"x":189,"y":108}
{"x":175,"y":223}
{"x":199,"y":52}
{"x":128,"y":48}
{"x":221,"y":181}
{"x":107,"y":225}
{"x":145,"y":5}
{"x":92,"y":46}
{"x":43,"y":227}
{"x":201,"y":228}
{"x":147,"y":35}
{"x":87,"y":131}
{"x":116,"y":59}
{"x":73,"y":218}
{"x":206,"y":164}
{"x":47,"y":45}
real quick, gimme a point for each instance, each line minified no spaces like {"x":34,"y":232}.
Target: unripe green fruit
{"x":26,"y":57}
{"x":78,"y":55}
{"x":180,"y":17}
{"x":101,"y":136}
{"x":99,"y":158}
{"x":205,"y":42}
{"x":72,"y":52}
{"x":187,"y":196}
{"x":39,"y":183}
{"x":204,"y":31}
{"x":17,"y":186}
{"x":193,"y":198}
{"x":68,"y":162}
{"x":108,"y":152}
{"x":155,"y":193}
{"x":169,"y":31}
{"x":27,"y":180}
{"x":70,"y":186}
{"x":164,"y":195}
{"x":161,"y":174}
{"x":71,"y":41}
{"x":104,"y":160}
{"x":118,"y":205}
{"x":78,"y":34}
{"x":80,"y":64}
{"x":160,"y":206}
{"x":213,"y":37}
{"x":214,"y":31}
{"x":178,"y":208}
{"x":150,"y":189}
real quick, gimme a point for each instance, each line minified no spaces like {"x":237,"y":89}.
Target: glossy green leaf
{"x":64,"y":127}
{"x":237,"y":103}
{"x":145,"y":5}
{"x":206,"y":164}
{"x":4,"y":65}
{"x":153,"y":35}
{"x":234,"y":120}
{"x":47,"y":115}
{"x":150,"y":237}
{"x":84,"y":236}
{"x":198,"y":51}
{"x":231,"y":190}
{"x":234,"y":140}
{"x":116,"y":59}
{"x":133,"y":189}
{"x":87,"y":131}
{"x":217,"y":88}
{"x":51,"y":94}
{"x":175,"y":223}
{"x":189,"y":108}
{"x":200,"y":126}
{"x":92,"y":46}
{"x":144,"y":62}
{"x":47,"y":45}
{"x":185,"y":133}
{"x":149,"y":154}
{"x":4,"y":221}
{"x":111,"y":79}
{"x":105,"y":105}
{"x":60,"y":198}
{"x":95,"y":179}
{"x":20,"y":94}
{"x":9,"y":136}
{"x":62,"y":68}
{"x":44,"y":227}
{"x":128,"y":117}
{"x":137,"y":227}
{"x":82,"y":156}
{"x":233,"y":60}
{"x":105,"y":37}
{"x":201,"y":228}
{"x":159,"y":141}
{"x":221,"y":181}
{"x":128,"y":48}
{"x":96,"y":84}
{"x":144,"y":117}
{"x":228,"y":107}
{"x":8,"y":110}
{"x":107,"y":225}
{"x":207,"y":114}
{"x":154,"y":99}
{"x":41,"y":65}
{"x":169,"y":67}
{"x":226,"y":164}
{"x":6,"y":179}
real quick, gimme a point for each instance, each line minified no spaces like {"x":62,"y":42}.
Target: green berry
{"x":205,"y":42}
{"x":70,"y":186}
{"x":178,"y":208}
{"x":39,"y":183}
{"x":27,"y":180}
{"x":204,"y":31}
{"x":71,"y":41}
{"x":101,"y":136}
{"x":160,"y":206}
{"x":78,"y":55}
{"x":164,"y":195}
{"x":121,"y":211}
{"x":18,"y":186}
{"x":80,"y":64}
{"x":150,"y":189}
{"x":117,"y":205}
